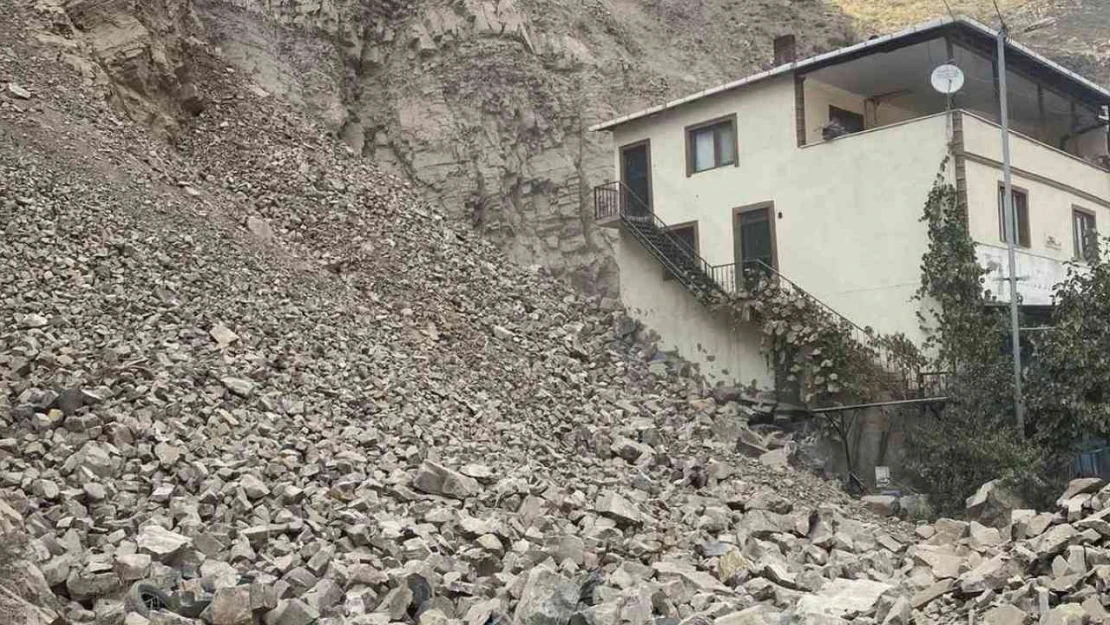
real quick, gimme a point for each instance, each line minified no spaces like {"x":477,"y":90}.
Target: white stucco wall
{"x":846,"y":211}
{"x":819,"y":96}
{"x":982,"y":138}
{"x":1060,"y":183}
{"x":722,"y":351}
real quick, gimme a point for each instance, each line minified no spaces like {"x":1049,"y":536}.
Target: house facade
{"x":818,"y":171}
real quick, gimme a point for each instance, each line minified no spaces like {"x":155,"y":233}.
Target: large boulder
{"x":992,"y":504}
{"x":840,"y":597}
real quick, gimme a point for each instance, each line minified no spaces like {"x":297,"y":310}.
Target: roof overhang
{"x":964,"y":31}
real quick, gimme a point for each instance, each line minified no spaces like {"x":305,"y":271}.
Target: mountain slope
{"x":250,"y":360}
{"x":483,"y":104}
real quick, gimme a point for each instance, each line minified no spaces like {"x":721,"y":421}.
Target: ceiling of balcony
{"x":902,"y":76}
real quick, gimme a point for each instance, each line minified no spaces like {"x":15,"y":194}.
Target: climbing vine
{"x":959,"y":329}
{"x":814,"y":352}
{"x":976,"y":440}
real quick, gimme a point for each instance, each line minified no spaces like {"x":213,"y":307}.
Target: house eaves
{"x":921,"y":31}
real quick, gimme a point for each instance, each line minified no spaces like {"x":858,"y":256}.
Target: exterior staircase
{"x":616,"y":205}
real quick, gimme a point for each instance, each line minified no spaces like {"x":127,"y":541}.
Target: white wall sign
{"x":1037,"y":275}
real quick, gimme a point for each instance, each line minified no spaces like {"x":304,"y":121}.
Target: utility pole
{"x":1012,"y":232}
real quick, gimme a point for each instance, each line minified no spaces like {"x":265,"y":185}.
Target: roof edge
{"x":863,"y":45}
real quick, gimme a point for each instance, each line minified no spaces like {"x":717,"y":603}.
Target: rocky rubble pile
{"x":1026,"y":566}
{"x":250,"y":378}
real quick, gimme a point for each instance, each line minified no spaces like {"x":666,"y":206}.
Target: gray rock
{"x":260,"y":228}
{"x":1080,"y":486}
{"x":884,"y":505}
{"x":1004,"y":615}
{"x":167,"y":454}
{"x":547,"y":599}
{"x":617,"y":508}
{"x":161,"y":543}
{"x":755,"y":615}
{"x":291,"y":612}
{"x":253,"y":487}
{"x":132,"y":567}
{"x":842,"y":596}
{"x":238,"y":386}
{"x":84,"y":585}
{"x":18,"y":91}
{"x":223,"y":335}
{"x":396,"y":603}
{"x":232,"y":606}
{"x":436,"y":479}
{"x":1054,"y":541}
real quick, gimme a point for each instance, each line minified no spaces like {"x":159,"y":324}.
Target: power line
{"x":948,"y":6}
{"x":1001,"y":19}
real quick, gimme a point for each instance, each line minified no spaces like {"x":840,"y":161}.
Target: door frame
{"x":737,"y":252}
{"x":646,"y":144}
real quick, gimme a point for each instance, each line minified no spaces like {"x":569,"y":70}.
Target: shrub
{"x":975,"y":438}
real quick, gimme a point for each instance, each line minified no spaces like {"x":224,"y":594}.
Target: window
{"x":848,"y":120}
{"x":1084,"y":234}
{"x":711,"y":145}
{"x":1021,"y":206}
{"x":687,"y":235}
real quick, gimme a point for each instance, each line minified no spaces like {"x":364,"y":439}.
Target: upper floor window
{"x":1021,"y":207}
{"x":848,"y":121}
{"x":1085,"y":235}
{"x":711,"y":144}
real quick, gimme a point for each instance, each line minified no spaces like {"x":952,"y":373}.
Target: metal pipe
{"x":1011,"y":236}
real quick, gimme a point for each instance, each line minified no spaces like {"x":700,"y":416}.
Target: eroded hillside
{"x":483,"y":104}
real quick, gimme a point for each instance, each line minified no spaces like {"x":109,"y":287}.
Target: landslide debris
{"x":248,"y":376}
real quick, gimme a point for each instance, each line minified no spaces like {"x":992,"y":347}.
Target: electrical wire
{"x":1001,"y":19}
{"x":948,"y":6}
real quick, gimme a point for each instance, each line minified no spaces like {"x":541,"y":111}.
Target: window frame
{"x":690,"y":151}
{"x":697,"y":241}
{"x":737,"y":243}
{"x":999,"y":197}
{"x":1077,"y":252}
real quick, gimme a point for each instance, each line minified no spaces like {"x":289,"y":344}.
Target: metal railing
{"x":902,"y":377}
{"x":615,"y":199}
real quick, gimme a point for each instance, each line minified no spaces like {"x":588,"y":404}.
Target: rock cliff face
{"x":483,"y":103}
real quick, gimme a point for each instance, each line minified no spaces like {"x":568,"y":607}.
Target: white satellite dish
{"x":947,"y":79}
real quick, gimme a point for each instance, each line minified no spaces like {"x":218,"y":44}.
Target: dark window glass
{"x":1085,"y":235}
{"x":636,"y":172}
{"x":757,"y":249}
{"x":848,"y":120}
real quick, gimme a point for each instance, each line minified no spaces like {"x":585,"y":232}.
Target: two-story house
{"x":820,"y":168}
